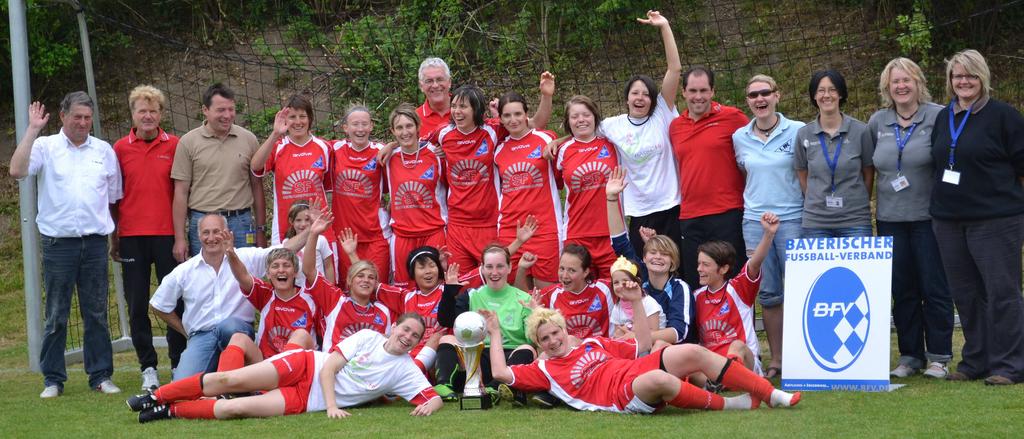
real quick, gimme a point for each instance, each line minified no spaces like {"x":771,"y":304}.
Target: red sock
{"x":185,"y":389}
{"x":292,"y":347}
{"x":231,"y":358}
{"x":201,"y":409}
{"x":692,"y":397}
{"x":737,"y":377}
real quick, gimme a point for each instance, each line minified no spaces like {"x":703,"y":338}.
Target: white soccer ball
{"x":470,"y":329}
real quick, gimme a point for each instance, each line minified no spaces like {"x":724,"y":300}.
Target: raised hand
{"x":534,"y":301}
{"x":493,"y":108}
{"x":321,"y":223}
{"x":616,"y":183}
{"x":492,"y":320}
{"x":527,"y":260}
{"x":547,"y":84}
{"x":646,"y":233}
{"x":349,"y":241}
{"x":228,"y":240}
{"x":654,"y":18}
{"x":281,"y":122}
{"x":630,"y":291}
{"x":770,"y":222}
{"x":451,"y":276}
{"x":526,"y":230}
{"x":37,"y":116}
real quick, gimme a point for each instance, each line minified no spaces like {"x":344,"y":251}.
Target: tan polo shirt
{"x":217,"y":170}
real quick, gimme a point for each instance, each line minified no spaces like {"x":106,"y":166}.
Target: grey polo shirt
{"x":912,"y":202}
{"x":855,"y":155}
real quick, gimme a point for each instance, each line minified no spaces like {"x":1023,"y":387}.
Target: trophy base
{"x":482,"y":402}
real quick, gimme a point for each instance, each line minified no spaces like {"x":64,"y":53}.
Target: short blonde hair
{"x":915,"y":73}
{"x":149,"y":94}
{"x":359,"y":266}
{"x":765,"y":79}
{"x":664,"y":244}
{"x":975,"y":64}
{"x":540,"y":316}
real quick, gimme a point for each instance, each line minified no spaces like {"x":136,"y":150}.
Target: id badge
{"x":950,"y":176}
{"x":833,"y":201}
{"x":900,"y":183}
{"x":250,"y":238}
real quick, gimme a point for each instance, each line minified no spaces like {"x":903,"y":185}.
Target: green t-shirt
{"x":511,"y":313}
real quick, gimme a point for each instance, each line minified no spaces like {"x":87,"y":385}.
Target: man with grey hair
{"x":435,"y":81}
{"x":78,"y":178}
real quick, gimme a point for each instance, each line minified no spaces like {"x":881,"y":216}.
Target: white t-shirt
{"x":323,"y":251}
{"x":369,"y":373}
{"x":646,"y":153}
{"x":620,"y":316}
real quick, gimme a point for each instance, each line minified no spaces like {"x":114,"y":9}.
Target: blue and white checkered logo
{"x":836,"y":319}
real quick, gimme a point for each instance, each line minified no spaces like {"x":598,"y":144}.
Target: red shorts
{"x":401,"y":246}
{"x":546,"y":248}
{"x":377,"y":251}
{"x":295,"y":371}
{"x":639,"y":367}
{"x":601,"y":253}
{"x":466,"y":244}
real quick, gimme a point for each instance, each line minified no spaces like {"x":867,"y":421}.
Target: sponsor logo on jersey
{"x":521,"y":176}
{"x":302,"y":154}
{"x":576,"y":302}
{"x":595,"y":305}
{"x":300,"y":322}
{"x":377,"y":320}
{"x":353,"y":183}
{"x":466,"y":173}
{"x":300,"y":184}
{"x":277,"y":337}
{"x":589,"y":176}
{"x":165,"y":157}
{"x":482,"y":149}
{"x":836,"y":319}
{"x":429,"y":174}
{"x":714,"y":333}
{"x":535,"y":154}
{"x":582,"y":326}
{"x":724,"y":309}
{"x":371,"y":165}
{"x":585,"y":366}
{"x":520,"y":146}
{"x":318,"y":164}
{"x":412,"y":195}
{"x":604,"y":153}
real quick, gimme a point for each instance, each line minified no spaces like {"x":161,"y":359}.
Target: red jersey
{"x":418,"y":192}
{"x":431,"y":120}
{"x":401,"y":301}
{"x":727,"y":315}
{"x":585,"y":168}
{"x":146,"y":207}
{"x":528,"y":186}
{"x":358,"y":181}
{"x":472,"y":183}
{"x":278,"y":318}
{"x":347,"y":317}
{"x":709,"y":179}
{"x":300,"y":173}
{"x":586,"y":312}
{"x":596,"y":375}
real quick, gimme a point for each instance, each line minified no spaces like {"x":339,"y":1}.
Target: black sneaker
{"x":495,"y":395}
{"x":156,"y":413}
{"x":544,"y":400}
{"x":141,"y":402}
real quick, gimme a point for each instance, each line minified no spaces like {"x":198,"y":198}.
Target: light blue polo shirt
{"x":772,"y":184}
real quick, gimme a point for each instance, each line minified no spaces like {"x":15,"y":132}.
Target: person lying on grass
{"x":360,"y":369}
{"x":603,"y":374}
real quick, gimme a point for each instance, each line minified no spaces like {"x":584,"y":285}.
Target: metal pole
{"x":97,"y":129}
{"x":27,"y":186}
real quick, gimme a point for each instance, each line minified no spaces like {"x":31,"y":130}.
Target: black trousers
{"x":665,"y":223}
{"x":726,"y":226}
{"x":139,"y":255}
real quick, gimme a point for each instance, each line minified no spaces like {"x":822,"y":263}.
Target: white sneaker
{"x":150,"y":379}
{"x":903,"y":371}
{"x":936,"y":370}
{"x":108,"y":387}
{"x":51,"y":392}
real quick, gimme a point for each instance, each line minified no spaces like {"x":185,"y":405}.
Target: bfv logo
{"x":836,"y":319}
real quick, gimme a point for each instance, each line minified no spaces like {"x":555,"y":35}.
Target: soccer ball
{"x":470,"y":329}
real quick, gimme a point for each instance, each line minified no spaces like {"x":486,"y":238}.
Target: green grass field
{"x":925,"y":408}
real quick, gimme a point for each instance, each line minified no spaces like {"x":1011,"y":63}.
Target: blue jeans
{"x":773,"y":269}
{"x":204,"y":347}
{"x":840,"y":232}
{"x":240,"y":225}
{"x":76,"y":264}
{"x":922,"y":304}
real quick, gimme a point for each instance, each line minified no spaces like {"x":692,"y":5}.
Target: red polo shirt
{"x":709,"y":179}
{"x":430,"y":120}
{"x":145,"y":209}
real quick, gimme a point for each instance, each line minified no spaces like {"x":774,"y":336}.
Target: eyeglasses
{"x":965,"y":77}
{"x":762,"y":93}
{"x":827,"y":91}
{"x":433,"y":81}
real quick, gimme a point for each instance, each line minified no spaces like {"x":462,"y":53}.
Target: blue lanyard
{"x":954,"y":132}
{"x":832,"y":164}
{"x":901,"y":142}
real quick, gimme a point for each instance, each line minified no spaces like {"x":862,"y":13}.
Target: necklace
{"x":415,"y":161}
{"x":765,"y":131}
{"x":907,"y":118}
{"x":637,"y":124}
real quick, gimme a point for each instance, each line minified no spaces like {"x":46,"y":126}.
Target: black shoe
{"x":155,"y":414}
{"x":141,"y":402}
{"x":544,"y":400}
{"x":713,"y":387}
{"x":517,"y":397}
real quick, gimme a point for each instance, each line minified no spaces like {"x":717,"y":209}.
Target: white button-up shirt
{"x":210,"y":295}
{"x":77,"y":184}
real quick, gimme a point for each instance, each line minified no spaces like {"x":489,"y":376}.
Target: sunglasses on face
{"x":763,"y":93}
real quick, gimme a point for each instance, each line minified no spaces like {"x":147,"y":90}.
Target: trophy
{"x":470,"y":330}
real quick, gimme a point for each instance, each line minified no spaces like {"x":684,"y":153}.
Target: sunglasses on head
{"x":763,"y":93}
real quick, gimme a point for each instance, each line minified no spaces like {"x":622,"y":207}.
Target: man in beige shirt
{"x":212,"y":175}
